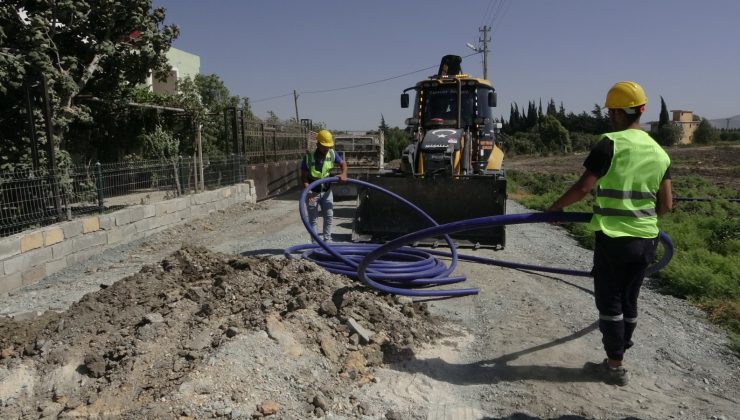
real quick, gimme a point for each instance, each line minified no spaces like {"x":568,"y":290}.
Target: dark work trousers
{"x":619,"y":268}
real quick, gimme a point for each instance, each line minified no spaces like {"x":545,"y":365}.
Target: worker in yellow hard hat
{"x":318,"y":165}
{"x":631,"y":173}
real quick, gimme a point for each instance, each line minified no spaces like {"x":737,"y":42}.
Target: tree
{"x":102,"y":49}
{"x":664,"y":117}
{"x":554,"y":136}
{"x":383,"y":126}
{"x":395,"y":140}
{"x":551,"y":110}
{"x":705,"y":133}
{"x":669,"y":134}
{"x":215,"y":98}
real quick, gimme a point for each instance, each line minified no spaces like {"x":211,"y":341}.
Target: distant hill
{"x":732,"y":123}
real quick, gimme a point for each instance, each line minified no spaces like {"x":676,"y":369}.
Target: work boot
{"x":610,"y":375}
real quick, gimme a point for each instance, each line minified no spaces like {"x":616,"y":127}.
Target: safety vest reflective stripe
{"x":625,"y":195}
{"x":631,"y":320}
{"x":625,"y":213}
{"x":603,"y":317}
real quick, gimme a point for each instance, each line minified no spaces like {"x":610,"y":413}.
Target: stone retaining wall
{"x":28,"y":257}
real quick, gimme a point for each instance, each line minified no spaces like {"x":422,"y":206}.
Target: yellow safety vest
{"x":325,"y":169}
{"x":626,"y":195}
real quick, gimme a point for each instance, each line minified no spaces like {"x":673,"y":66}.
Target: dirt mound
{"x":128,"y":348}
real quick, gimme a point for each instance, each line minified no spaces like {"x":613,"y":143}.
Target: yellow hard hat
{"x":325,"y":139}
{"x":625,"y":95}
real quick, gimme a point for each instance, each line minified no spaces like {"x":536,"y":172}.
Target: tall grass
{"x":705,"y":268}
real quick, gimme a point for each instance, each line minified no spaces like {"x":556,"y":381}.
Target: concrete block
{"x":226,"y":192}
{"x":89,"y":240}
{"x":146,"y":224}
{"x":185,"y":214}
{"x":114,"y":236}
{"x":127,"y":233}
{"x":168,"y":219}
{"x":71,"y":228}
{"x":10,"y":246}
{"x":90,"y":224}
{"x":34,"y":275}
{"x":182,"y":203}
{"x":31,"y":241}
{"x":56,"y":265}
{"x":138,"y":213}
{"x":205,"y":197}
{"x":165,"y":207}
{"x":123,"y":217}
{"x":81,"y":256}
{"x":198,"y":211}
{"x":107,"y":221}
{"x":10,"y":282}
{"x":53,"y":236}
{"x":62,"y":249}
{"x":26,"y":260}
{"x":149,"y":210}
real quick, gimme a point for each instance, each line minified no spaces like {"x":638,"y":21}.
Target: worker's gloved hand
{"x":554,"y":210}
{"x":311,"y":197}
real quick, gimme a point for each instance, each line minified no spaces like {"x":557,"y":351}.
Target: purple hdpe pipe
{"x":399,"y":269}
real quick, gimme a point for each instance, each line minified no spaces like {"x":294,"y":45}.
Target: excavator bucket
{"x":379,"y":217}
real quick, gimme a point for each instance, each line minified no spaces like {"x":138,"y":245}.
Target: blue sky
{"x":569,"y":50}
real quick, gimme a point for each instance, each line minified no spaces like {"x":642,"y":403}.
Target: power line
{"x":487,"y":13}
{"x":379,"y":81}
{"x":501,"y":12}
{"x":270,"y":98}
{"x":354,"y":86}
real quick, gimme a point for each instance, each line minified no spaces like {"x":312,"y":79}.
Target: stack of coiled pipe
{"x":397,"y":268}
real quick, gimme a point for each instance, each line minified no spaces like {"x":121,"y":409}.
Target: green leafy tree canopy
{"x":100,"y":48}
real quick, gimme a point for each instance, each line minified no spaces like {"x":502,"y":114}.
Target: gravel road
{"x":514,"y":351}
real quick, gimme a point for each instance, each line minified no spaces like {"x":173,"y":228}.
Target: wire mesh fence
{"x":34,"y":198}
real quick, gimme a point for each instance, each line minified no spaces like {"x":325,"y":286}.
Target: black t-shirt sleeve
{"x":600,"y":158}
{"x":667,"y":174}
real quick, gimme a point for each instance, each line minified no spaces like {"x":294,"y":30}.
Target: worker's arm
{"x":304,"y":178}
{"x":576,"y":192}
{"x":665,"y":197}
{"x":343,"y":171}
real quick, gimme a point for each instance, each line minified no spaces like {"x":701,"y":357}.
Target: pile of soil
{"x":143,"y":347}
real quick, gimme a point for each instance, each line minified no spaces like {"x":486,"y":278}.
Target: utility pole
{"x":295,"y":100}
{"x":485,"y":39}
{"x":483,"y":47}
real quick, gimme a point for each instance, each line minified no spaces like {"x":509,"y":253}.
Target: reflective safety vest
{"x":626,"y":195}
{"x":310,"y":160}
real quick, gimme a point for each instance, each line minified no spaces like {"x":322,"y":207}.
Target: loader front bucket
{"x":379,"y":217}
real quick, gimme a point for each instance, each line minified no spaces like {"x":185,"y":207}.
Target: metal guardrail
{"x":27,"y":198}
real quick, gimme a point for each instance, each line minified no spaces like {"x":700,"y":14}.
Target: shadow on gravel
{"x":495,"y":370}
{"x":577,"y":286}
{"x":262,"y":252}
{"x":522,"y":416}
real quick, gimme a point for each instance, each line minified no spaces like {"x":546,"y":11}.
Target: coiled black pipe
{"x":399,"y":269}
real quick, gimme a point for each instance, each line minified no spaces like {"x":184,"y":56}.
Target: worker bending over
{"x":315,"y":166}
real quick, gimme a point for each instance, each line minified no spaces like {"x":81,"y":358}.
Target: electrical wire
{"x":309,"y":92}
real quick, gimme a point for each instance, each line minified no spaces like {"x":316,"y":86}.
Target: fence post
{"x":184,"y":187}
{"x":264,"y":146}
{"x":233,"y":169}
{"x":99,"y":186}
